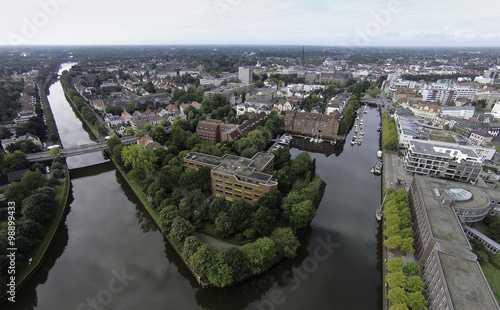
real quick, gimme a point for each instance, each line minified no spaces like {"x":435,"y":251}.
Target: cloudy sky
{"x":309,"y":22}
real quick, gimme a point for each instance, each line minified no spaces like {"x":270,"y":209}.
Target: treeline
{"x":86,"y":112}
{"x":349,"y":114}
{"x":52,"y":131}
{"x":405,"y":286}
{"x":435,"y":77}
{"x":398,"y":224}
{"x":389,"y":133}
{"x":10,"y":91}
{"x":34,"y":201}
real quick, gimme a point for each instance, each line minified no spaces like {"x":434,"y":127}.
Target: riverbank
{"x":91,"y":127}
{"x":156,"y":218}
{"x":50,"y":122}
{"x":38,"y":254}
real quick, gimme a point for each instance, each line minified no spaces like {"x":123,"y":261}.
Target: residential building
{"x":215,"y":131}
{"x":234,"y":177}
{"x":480,"y":137}
{"x":312,"y":124}
{"x":456,"y":111}
{"x":425,"y":111}
{"x":245,"y":74}
{"x":407,"y":129}
{"x":113,"y":120}
{"x":451,"y":273}
{"x":446,"y":161}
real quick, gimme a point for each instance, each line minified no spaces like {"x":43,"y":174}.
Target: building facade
{"x":313,"y":124}
{"x":245,"y":74}
{"x":215,"y":131}
{"x":451,"y":273}
{"x":234,"y":177}
{"x":442,"y":161}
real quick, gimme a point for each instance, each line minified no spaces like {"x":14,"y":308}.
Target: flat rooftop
{"x":243,"y":168}
{"x":204,"y":158}
{"x":467,"y":286}
{"x":443,"y":221}
{"x":429,"y":149}
{"x":261,"y":160}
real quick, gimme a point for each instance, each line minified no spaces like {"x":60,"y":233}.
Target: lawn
{"x":493,"y":276}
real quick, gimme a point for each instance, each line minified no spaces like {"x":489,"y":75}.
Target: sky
{"x":438,"y":23}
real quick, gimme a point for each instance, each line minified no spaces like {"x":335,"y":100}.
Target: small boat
{"x":378,"y":214}
{"x":379,"y":154}
{"x":378,"y":168}
{"x":379,"y":128}
{"x":372,"y":169}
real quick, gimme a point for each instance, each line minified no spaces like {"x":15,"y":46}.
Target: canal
{"x":109,"y":254}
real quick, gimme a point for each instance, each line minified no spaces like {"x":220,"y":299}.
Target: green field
{"x":493,"y":276}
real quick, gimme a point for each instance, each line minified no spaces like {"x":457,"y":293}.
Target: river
{"x":109,"y":255}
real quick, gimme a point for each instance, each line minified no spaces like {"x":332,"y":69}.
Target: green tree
{"x":241,"y":213}
{"x":33,"y":180}
{"x":186,"y":208}
{"x":397,"y":295}
{"x":399,"y":307}
{"x":191,"y":246}
{"x":200,"y":260}
{"x":414,"y":284}
{"x":282,"y":158}
{"x":112,"y":142}
{"x":158,"y":134}
{"x":394,"y":279}
{"x":396,"y":264}
{"x":263,"y":221}
{"x":167,"y":216}
{"x":181,"y":229}
{"x":15,"y":161}
{"x":302,"y":213}
{"x":415,"y":300}
{"x":223,"y":225}
{"x":141,"y":159}
{"x":261,"y":254}
{"x":301,"y":164}
{"x":286,"y":242}
{"x":411,"y":268}
{"x":129,"y":131}
{"x":148,"y":126}
{"x":219,"y":272}
{"x":16,"y":192}
{"x":139,"y":134}
{"x":393,"y":242}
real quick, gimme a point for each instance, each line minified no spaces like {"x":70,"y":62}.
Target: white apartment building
{"x":245,"y":74}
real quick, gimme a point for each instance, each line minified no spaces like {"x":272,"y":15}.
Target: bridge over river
{"x":77,"y":150}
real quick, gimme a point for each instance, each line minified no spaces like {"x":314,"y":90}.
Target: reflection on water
{"x":108,"y":236}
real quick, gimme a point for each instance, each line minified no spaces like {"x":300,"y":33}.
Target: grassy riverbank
{"x":24,"y":270}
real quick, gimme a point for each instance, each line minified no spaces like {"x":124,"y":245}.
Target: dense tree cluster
{"x":34,"y":201}
{"x":10,"y":91}
{"x":398,"y":222}
{"x":349,"y":115}
{"x":87,"y":113}
{"x":389,"y":133}
{"x":405,"y":286}
{"x":52,"y":132}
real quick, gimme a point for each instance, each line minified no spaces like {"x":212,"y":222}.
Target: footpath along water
{"x":109,"y":254}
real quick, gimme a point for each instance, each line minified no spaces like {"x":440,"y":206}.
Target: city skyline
{"x":317,"y":22}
